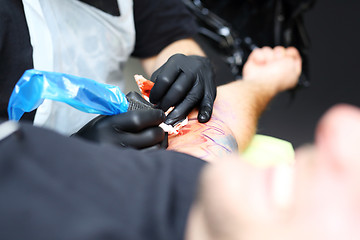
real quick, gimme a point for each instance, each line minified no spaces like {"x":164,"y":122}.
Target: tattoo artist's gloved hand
{"x":185,"y":82}
{"x":137,"y":129}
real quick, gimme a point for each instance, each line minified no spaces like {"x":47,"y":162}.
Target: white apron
{"x":72,"y":37}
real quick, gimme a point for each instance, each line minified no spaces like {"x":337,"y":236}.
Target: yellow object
{"x":267,"y":151}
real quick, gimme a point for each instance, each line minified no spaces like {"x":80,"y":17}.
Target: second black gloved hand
{"x":185,"y":82}
{"x":137,"y":129}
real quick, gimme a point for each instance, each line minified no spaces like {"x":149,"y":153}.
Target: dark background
{"x":333,"y":27}
{"x":334,"y":58}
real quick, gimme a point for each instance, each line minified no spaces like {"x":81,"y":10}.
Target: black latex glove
{"x":185,"y":82}
{"x":136,"y":129}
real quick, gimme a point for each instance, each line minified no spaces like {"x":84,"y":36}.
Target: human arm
{"x":239,"y":105}
{"x":182,"y":74}
{"x":236,"y":112}
{"x":185,"y":46}
{"x":186,"y":80}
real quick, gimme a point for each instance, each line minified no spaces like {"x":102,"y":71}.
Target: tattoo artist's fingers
{"x":147,"y":138}
{"x":163,"y":81}
{"x":163,"y":145}
{"x":183,"y":109}
{"x":205,"y":109}
{"x":177,"y":92}
{"x":136,"y":121}
{"x":165,"y":142}
{"x":207,"y":104}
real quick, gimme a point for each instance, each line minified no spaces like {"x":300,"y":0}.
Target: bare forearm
{"x":184,"y":46}
{"x":209,"y":141}
{"x":232,"y":126}
{"x":239,"y":105}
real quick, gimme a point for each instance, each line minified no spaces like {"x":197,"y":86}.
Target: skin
{"x":316,"y":198}
{"x":239,"y":105}
{"x":320,"y":194}
{"x":191,"y":92}
{"x":184,"y":46}
{"x":208,"y":141}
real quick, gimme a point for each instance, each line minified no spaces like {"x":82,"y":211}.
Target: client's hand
{"x":280,"y":67}
{"x":137,"y":129}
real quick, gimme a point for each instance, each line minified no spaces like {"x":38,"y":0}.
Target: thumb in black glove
{"x":185,"y":82}
{"x":137,"y":129}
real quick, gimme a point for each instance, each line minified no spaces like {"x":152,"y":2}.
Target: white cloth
{"x":73,"y":37}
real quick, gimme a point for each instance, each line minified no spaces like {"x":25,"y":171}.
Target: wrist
{"x":265,"y":87}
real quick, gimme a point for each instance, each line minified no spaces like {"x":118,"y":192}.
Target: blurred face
{"x":317,"y":198}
